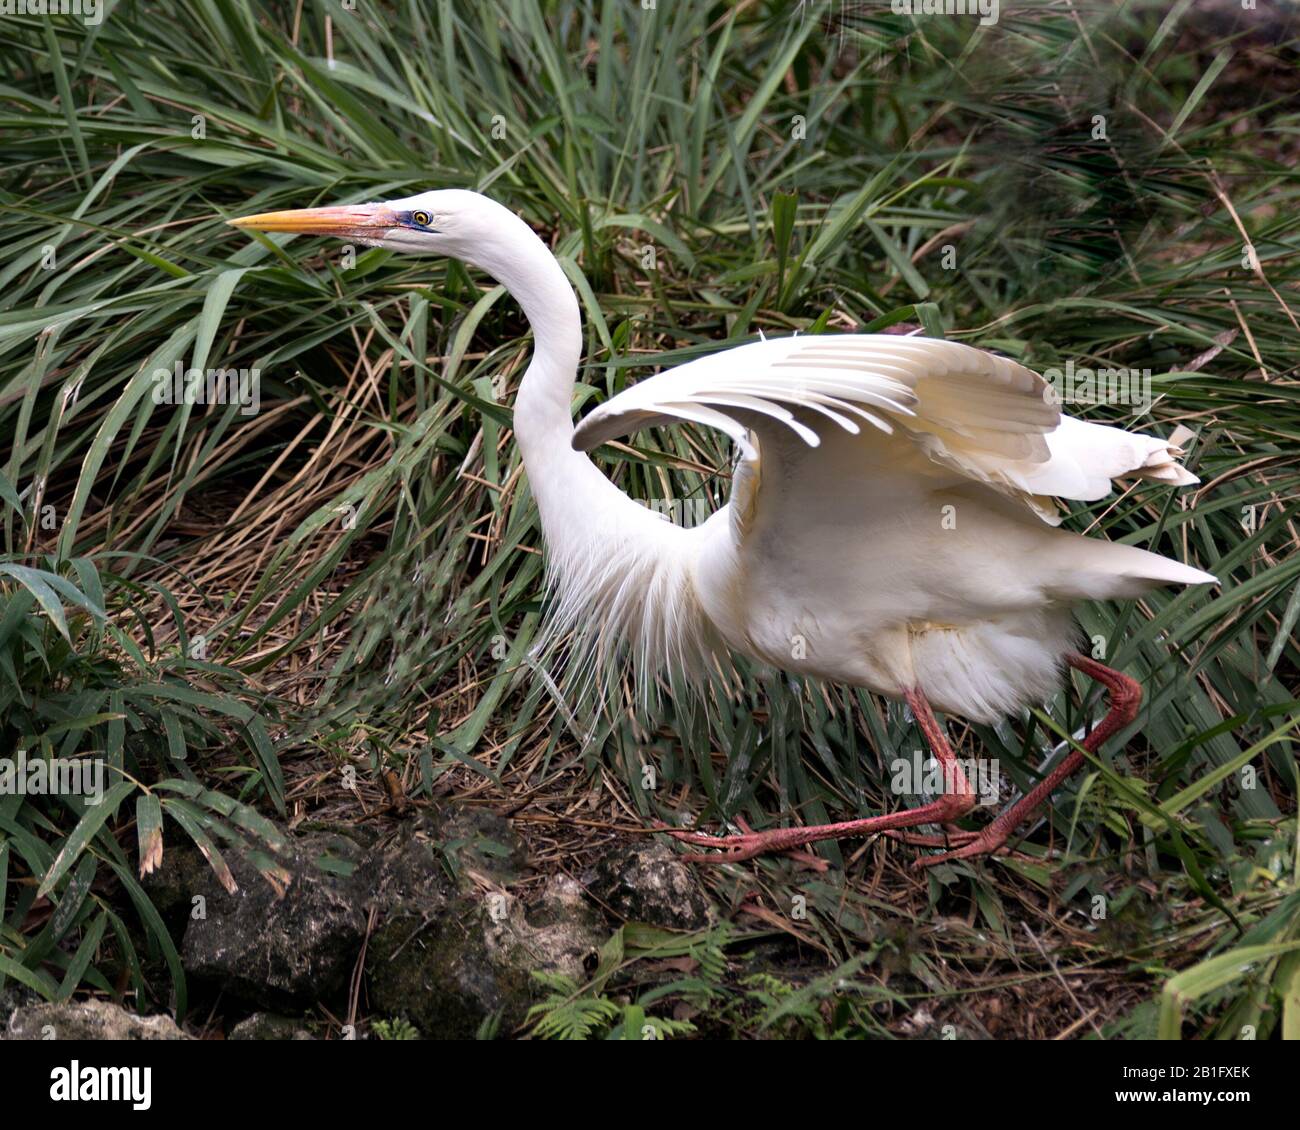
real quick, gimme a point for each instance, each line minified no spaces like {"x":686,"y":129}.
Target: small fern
{"x":567,"y":1015}
{"x":395,"y":1029}
{"x":711,"y":953}
{"x":573,"y":1012}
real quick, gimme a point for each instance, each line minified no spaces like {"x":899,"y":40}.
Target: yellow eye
{"x":421,"y":218}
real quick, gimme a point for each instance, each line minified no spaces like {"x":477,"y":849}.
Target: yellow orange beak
{"x":356,"y":220}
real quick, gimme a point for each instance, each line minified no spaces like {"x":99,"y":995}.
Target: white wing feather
{"x":985,"y":417}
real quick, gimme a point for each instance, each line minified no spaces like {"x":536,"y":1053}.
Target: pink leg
{"x":951,"y":806}
{"x":1125,"y":698}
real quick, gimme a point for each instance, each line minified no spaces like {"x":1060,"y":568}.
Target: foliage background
{"x":232,"y":608}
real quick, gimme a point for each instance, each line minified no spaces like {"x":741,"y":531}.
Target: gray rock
{"x":410,"y":874}
{"x":449,"y":973}
{"x":476,"y":839}
{"x":449,"y":948}
{"x":647,"y":882}
{"x":269,"y":1026}
{"x":292,"y":937}
{"x":86,"y":1020}
{"x":183,"y":873}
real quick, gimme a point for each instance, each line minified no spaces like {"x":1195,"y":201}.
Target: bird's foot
{"x":732,"y":849}
{"x":962,"y":845}
{"x":955,"y":838}
{"x":749,"y":844}
{"x":987,"y":842}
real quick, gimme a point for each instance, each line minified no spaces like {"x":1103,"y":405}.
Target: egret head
{"x":448,"y":221}
{"x":464,"y":225}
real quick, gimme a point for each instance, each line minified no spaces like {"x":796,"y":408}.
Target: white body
{"x":891,"y":525}
{"x":910,"y":546}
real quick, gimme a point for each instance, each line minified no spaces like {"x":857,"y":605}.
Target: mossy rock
{"x":451,"y":973}
{"x":648,"y":882}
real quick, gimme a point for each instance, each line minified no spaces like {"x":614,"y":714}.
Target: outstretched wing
{"x":982,"y":416}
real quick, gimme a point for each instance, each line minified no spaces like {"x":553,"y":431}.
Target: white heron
{"x":891,"y":522}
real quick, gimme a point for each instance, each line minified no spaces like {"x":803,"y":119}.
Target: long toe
{"x":982,"y":844}
{"x":732,"y":849}
{"x":953,"y":839}
{"x":699,"y":839}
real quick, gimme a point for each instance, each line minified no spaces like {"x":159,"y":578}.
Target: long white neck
{"x":563,"y":481}
{"x":621,"y":577}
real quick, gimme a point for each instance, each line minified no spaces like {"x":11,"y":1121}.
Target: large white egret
{"x":891,"y":522}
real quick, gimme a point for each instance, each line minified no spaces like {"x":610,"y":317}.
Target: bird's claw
{"x":731,"y":849}
{"x":955,"y":838}
{"x":734,"y":849}
{"x":977,"y":845}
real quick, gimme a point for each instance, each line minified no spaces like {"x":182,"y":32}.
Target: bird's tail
{"x":1091,"y":569}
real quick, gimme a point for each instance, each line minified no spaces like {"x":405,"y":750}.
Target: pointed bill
{"x":359,"y":221}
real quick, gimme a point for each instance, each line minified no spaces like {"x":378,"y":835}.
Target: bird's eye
{"x":421,"y":218}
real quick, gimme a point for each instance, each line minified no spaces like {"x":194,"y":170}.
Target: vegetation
{"x":230,"y":608}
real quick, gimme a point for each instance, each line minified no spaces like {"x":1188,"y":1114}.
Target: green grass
{"x":351,"y":576}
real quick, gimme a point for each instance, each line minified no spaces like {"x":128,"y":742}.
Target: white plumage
{"x":890,"y":522}
{"x":892,"y":517}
